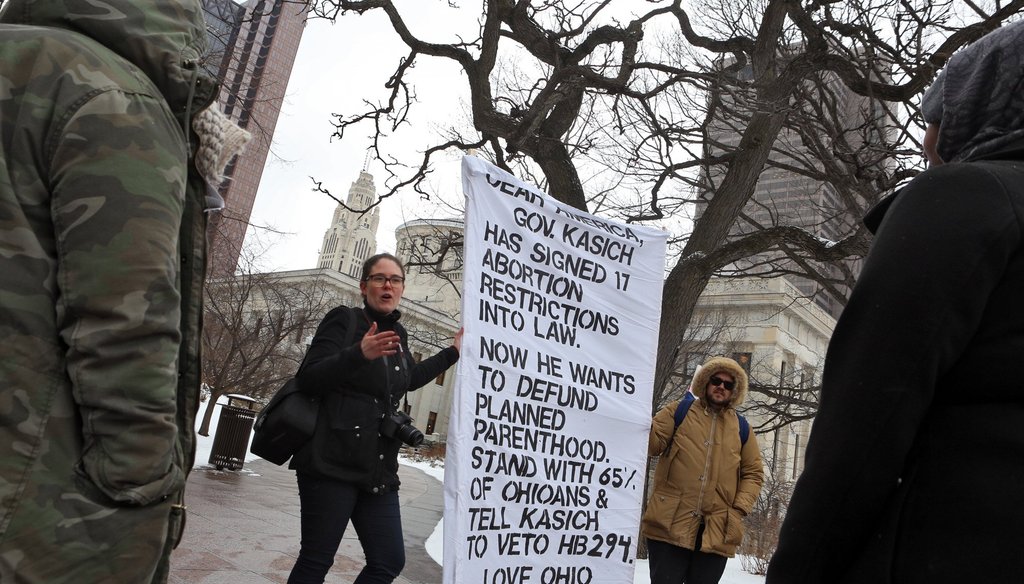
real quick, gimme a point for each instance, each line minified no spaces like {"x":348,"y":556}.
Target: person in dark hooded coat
{"x":916,"y":453}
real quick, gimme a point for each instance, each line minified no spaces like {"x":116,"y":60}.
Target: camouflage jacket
{"x":102,"y":253}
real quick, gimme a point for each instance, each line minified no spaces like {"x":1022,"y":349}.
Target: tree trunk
{"x":204,"y":428}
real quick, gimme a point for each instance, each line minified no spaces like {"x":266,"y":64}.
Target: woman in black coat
{"x":349,"y":469}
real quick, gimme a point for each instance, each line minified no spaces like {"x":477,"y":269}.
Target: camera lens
{"x":410,"y":435}
{"x":398,"y":426}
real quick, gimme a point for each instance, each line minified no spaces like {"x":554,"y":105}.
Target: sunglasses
{"x":719,"y":381}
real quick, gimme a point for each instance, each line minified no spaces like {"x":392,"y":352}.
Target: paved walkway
{"x":243,"y":527}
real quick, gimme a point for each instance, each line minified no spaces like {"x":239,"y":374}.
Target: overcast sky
{"x":336,"y":67}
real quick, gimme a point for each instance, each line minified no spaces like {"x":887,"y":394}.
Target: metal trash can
{"x":233,"y":431}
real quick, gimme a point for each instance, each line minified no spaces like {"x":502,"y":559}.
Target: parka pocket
{"x":354,"y":448}
{"x":734,"y":528}
{"x":726,"y":495}
{"x":117,"y":481}
{"x":661,"y":512}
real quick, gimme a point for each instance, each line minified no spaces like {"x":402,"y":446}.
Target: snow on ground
{"x":734,"y":573}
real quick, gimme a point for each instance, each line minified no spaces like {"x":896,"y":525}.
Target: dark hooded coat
{"x":916,"y":455}
{"x":356,"y":394}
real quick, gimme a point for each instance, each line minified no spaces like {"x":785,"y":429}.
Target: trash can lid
{"x":233,"y":397}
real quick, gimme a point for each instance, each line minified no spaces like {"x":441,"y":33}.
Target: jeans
{"x":672,"y":564}
{"x":326,"y":508}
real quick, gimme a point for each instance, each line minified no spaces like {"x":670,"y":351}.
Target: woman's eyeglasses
{"x":719,"y":381}
{"x":378,"y":280}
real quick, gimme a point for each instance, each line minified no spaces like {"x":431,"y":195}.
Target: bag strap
{"x":292,"y":384}
{"x":682,"y":408}
{"x":350,"y":334}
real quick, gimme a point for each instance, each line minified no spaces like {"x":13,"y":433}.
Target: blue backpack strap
{"x":684,"y":407}
{"x":681,"y":409}
{"x":744,"y":429}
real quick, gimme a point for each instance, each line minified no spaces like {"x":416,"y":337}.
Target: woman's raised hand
{"x":376,"y":344}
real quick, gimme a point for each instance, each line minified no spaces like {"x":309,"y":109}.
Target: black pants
{"x":672,"y":564}
{"x":326,"y":509}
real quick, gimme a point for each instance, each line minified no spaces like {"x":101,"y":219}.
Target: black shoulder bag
{"x":288,"y":421}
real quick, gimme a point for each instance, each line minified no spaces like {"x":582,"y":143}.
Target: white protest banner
{"x":547,"y":442}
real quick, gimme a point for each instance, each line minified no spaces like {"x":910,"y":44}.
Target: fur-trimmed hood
{"x":717,"y":365}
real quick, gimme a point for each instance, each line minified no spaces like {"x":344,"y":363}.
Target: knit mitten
{"x":220,"y":139}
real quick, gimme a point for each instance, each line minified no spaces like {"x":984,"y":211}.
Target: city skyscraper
{"x":223,"y":22}
{"x":793,"y":189}
{"x":259,"y":40}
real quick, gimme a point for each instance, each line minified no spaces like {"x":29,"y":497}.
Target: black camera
{"x":399,"y":425}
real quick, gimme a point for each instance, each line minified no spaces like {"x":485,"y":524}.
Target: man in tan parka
{"x":706,"y":481}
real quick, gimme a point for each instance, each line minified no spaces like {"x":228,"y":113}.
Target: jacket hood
{"x":164,"y":38}
{"x":976,"y":99}
{"x":718,"y":365}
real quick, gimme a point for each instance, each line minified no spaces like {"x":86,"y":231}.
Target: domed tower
{"x":431,"y":250}
{"x":352,"y":237}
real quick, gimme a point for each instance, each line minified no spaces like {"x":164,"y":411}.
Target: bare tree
{"x":558,"y":89}
{"x":763,"y":524}
{"x":781,"y":402}
{"x":255,"y":331}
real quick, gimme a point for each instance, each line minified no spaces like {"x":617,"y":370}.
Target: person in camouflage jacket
{"x":102,"y":256}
